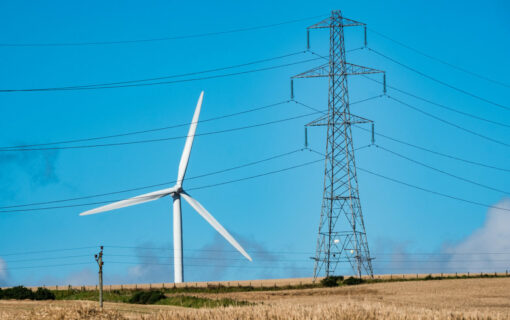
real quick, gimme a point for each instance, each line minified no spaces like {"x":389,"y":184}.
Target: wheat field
{"x":436,"y":299}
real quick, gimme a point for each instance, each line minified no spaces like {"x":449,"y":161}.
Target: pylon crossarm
{"x":327,"y":23}
{"x":354,"y":69}
{"x":324,"y":71}
{"x":357,"y":119}
{"x":320,"y":71}
{"x":324,"y":121}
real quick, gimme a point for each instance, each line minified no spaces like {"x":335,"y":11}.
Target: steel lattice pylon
{"x":342,"y":235}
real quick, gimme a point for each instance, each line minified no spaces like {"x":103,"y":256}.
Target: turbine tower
{"x":342,"y":235}
{"x":177,"y":192}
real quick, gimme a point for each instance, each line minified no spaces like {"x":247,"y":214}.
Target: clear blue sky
{"x":275,"y":217}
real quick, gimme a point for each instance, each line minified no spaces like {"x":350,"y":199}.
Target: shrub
{"x":19,"y":293}
{"x":44,"y":294}
{"x":147,"y":297}
{"x":353,"y":281}
{"x":429,"y":277}
{"x":332,"y":281}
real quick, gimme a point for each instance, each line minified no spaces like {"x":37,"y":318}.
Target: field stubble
{"x":445,"y":299}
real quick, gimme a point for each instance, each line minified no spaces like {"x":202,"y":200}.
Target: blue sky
{"x":275,"y":217}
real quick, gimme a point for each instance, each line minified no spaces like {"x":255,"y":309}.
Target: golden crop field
{"x":436,"y":299}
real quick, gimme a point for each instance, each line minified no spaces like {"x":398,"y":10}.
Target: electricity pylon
{"x":342,"y":236}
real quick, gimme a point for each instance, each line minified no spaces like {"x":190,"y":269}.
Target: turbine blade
{"x":215,"y":224}
{"x":189,"y":142}
{"x":131,"y":201}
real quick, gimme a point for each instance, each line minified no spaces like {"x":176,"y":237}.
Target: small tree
{"x":19,"y":293}
{"x":44,"y":294}
{"x":332,"y":281}
{"x":353,"y":281}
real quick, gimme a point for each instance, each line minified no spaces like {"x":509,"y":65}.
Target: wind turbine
{"x":177,"y":192}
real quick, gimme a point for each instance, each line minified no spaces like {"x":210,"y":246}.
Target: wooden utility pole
{"x":100,"y":263}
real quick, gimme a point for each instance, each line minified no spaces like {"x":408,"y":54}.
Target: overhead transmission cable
{"x":414,"y":145}
{"x":46,"y":251}
{"x":159,"y":139}
{"x":179,"y":37}
{"x":441,"y":171}
{"x":281,"y":155}
{"x":143,"y":84}
{"x":148,"y":130}
{"x":187,"y":74}
{"x":424,"y":189}
{"x":195,"y":188}
{"x":440,"y":81}
{"x":30,"y":147}
{"x":449,"y":122}
{"x":435,"y":152}
{"x":467,"y":114}
{"x":485,"y":205}
{"x":438,"y":59}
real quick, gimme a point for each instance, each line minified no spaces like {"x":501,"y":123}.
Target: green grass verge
{"x":125,"y":296}
{"x":196,"y":302}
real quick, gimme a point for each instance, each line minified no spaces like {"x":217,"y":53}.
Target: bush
{"x":429,"y":277}
{"x":332,"y":281}
{"x":147,"y":297}
{"x":353,"y":281}
{"x":22,"y":293}
{"x":44,"y":294}
{"x":18,"y":293}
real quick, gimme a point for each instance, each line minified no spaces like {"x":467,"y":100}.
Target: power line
{"x":424,"y":189}
{"x":441,"y":82}
{"x":196,"y":188}
{"x":256,"y":176}
{"x":174,"y":75}
{"x":432,"y":191}
{"x":279,"y":252}
{"x":450,"y":123}
{"x":159,"y":184}
{"x":148,"y":130}
{"x":258,"y":259}
{"x":48,"y":266}
{"x":439,"y":60}
{"x":181,"y":37}
{"x":48,"y":258}
{"x":441,"y":171}
{"x":93,"y":87}
{"x":46,"y":251}
{"x":160,"y":139}
{"x":427,"y":100}
{"x":207,"y":250}
{"x":436,"y":152}
{"x":414,"y":145}
{"x":25,"y":146}
{"x":467,"y":114}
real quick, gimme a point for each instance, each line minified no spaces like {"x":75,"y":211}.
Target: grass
{"x":126,"y":296}
{"x":200,"y":302}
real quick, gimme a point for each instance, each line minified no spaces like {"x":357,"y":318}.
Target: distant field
{"x":485,"y":298}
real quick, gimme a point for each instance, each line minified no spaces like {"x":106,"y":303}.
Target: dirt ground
{"x":435,"y":299}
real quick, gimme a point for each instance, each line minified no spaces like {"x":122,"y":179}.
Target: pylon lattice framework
{"x":342,"y":235}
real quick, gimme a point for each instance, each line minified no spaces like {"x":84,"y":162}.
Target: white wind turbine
{"x":176,"y":192}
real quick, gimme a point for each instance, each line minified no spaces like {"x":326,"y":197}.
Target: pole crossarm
{"x":325,"y":121}
{"x":325,"y":71}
